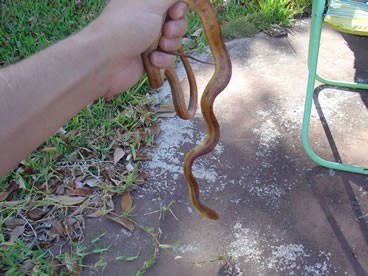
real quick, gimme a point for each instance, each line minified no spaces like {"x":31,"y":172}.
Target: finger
{"x":170,"y":44}
{"x":179,"y":10}
{"x":162,"y":60}
{"x":175,"y":28}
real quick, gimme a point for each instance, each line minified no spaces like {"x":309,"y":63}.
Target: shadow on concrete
{"x":324,"y":122}
{"x":359,"y":46}
{"x":348,"y":179}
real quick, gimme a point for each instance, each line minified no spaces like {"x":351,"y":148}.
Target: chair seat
{"x":348,"y":16}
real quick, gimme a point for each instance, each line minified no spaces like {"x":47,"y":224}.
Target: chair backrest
{"x":348,"y":16}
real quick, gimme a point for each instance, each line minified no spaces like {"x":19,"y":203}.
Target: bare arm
{"x":41,"y":93}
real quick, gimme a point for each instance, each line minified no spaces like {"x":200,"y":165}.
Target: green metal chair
{"x":346,"y":16}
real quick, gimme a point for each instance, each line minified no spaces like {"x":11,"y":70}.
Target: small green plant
{"x":245,"y":26}
{"x":18,"y":258}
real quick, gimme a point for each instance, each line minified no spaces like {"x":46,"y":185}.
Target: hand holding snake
{"x":216,"y":85}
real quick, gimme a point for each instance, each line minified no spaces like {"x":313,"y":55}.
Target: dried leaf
{"x":44,"y":245}
{"x":17,"y":231}
{"x":13,"y":222}
{"x":79,"y":192}
{"x":142,"y":156}
{"x":140,"y":178}
{"x":12,"y":187}
{"x":58,"y":229}
{"x":60,"y":189}
{"x":9,"y":203}
{"x":126,"y":202}
{"x":68,"y":262}
{"x":55,"y":265}
{"x":167,"y":115}
{"x":68,"y":200}
{"x":198,"y":32}
{"x":37,"y":213}
{"x":129,"y":167}
{"x":67,"y":227}
{"x":110,"y":203}
{"x":71,"y":185}
{"x":165,"y":109}
{"x":127,"y":224}
{"x":28,"y":169}
{"x":99,"y":213}
{"x":21,"y":183}
{"x":89,"y":181}
{"x":118,"y":154}
{"x":155,"y":129}
{"x":71,"y":133}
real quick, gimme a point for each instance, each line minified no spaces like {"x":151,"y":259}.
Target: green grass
{"x":89,"y":138}
{"x":245,"y":18}
{"x":29,"y":26}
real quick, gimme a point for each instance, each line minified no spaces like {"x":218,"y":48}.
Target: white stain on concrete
{"x":276,"y":256}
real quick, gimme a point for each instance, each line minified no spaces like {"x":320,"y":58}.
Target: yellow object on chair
{"x":348,"y":16}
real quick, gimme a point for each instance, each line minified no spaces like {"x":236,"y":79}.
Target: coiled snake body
{"x":215,"y":86}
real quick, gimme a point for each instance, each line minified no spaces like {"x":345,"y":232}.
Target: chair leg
{"x":314,"y":44}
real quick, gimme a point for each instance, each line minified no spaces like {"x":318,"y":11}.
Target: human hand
{"x":128,"y":28}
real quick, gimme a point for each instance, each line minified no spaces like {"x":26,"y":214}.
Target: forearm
{"x":41,"y":93}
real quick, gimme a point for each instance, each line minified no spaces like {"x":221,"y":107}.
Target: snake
{"x":215,"y":86}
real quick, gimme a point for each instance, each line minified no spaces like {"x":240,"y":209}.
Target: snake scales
{"x":215,"y":86}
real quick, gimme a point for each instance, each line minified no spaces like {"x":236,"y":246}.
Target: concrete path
{"x":280,"y":214}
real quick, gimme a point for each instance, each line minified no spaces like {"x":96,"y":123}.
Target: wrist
{"x":98,"y":60}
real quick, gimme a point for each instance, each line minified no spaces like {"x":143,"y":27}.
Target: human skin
{"x":41,"y":93}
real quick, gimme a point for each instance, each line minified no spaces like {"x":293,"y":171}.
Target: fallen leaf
{"x":165,"y":109}
{"x":21,"y":183}
{"x":9,"y":203}
{"x":140,"y":178}
{"x":130,"y":167}
{"x":99,"y":213}
{"x":44,"y":245}
{"x":13,"y":222}
{"x":89,"y":181}
{"x":167,"y":115}
{"x":142,"y":157}
{"x":28,"y":169}
{"x":68,"y":262}
{"x":61,"y":130}
{"x":127,"y":224}
{"x":198,"y":32}
{"x":12,"y":187}
{"x":190,"y":43}
{"x":126,"y":202}
{"x":118,"y":154}
{"x":56,"y":266}
{"x":60,"y":189}
{"x":37,"y":213}
{"x":67,"y":227}
{"x":110,"y":203}
{"x":79,"y":192}
{"x":58,"y":229}
{"x":17,"y":231}
{"x":68,"y":200}
{"x":109,"y":157}
{"x":155,"y":129}
{"x":71,"y":185}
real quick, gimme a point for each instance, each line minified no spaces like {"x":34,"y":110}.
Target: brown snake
{"x":215,"y":86}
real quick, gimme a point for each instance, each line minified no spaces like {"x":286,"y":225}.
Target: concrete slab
{"x":280,"y":214}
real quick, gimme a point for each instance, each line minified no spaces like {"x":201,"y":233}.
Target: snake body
{"x":215,"y":86}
